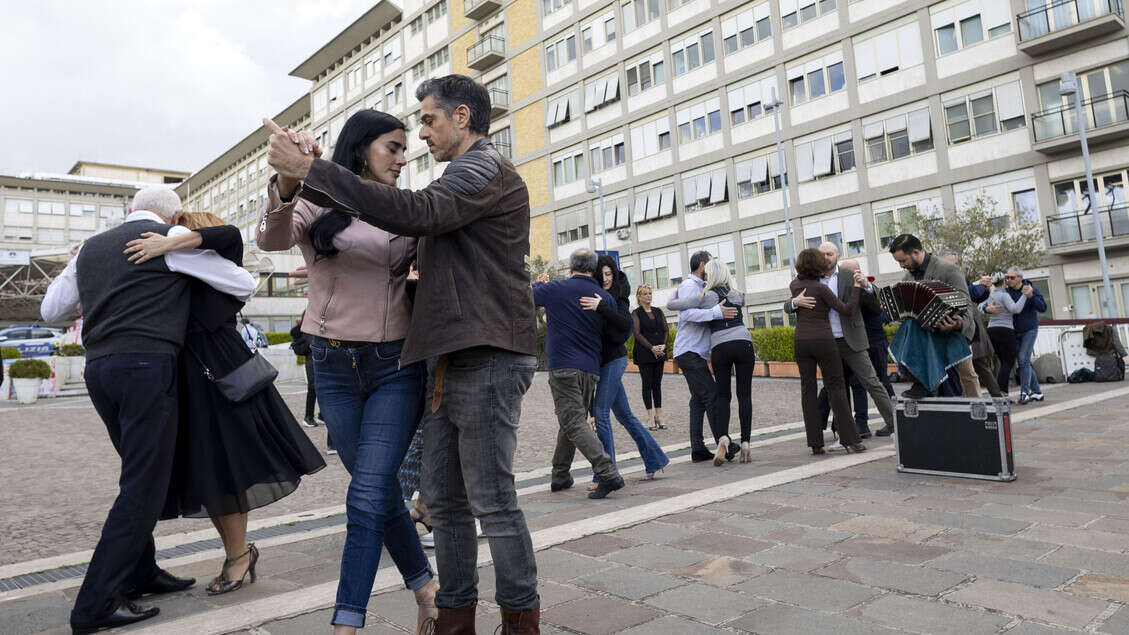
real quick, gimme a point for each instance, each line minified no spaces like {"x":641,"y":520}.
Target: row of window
{"x":969,"y":117}
{"x":15,"y":206}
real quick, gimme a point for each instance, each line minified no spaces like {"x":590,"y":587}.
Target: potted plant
{"x":27,"y":375}
{"x":76,"y":358}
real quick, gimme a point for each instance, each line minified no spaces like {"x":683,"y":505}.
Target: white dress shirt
{"x":831,"y":281}
{"x":61,"y":299}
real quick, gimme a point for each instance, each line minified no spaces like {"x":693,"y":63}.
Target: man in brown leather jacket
{"x":473,"y":320}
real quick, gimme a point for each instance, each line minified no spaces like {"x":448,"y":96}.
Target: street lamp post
{"x":774,"y":105}
{"x":1068,"y":86}
{"x":597,"y":185}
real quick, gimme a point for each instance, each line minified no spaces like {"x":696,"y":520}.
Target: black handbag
{"x":244,"y":380}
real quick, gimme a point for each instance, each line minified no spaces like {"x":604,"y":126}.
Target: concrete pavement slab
{"x":1036,"y":574}
{"x":599,"y":615}
{"x":657,"y":557}
{"x":1054,"y":607}
{"x":629,"y":582}
{"x":793,"y":558}
{"x":923,"y":616}
{"x":808,"y":591}
{"x":889,"y":549}
{"x":1101,"y":586}
{"x":919,"y":580}
{"x":673,"y":625}
{"x":781,"y":618}
{"x":722,"y":572}
{"x":705,"y":603}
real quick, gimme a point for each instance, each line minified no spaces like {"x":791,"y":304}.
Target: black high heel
{"x":224,"y":584}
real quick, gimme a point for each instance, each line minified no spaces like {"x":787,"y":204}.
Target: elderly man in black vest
{"x":134,"y":317}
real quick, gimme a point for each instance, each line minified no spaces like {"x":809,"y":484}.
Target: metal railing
{"x":1062,"y":14}
{"x":485,"y":46}
{"x":504,"y":149}
{"x":499,"y":98}
{"x":1079,"y":226}
{"x":1102,"y":111}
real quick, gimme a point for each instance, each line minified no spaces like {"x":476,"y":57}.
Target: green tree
{"x":986,"y":240}
{"x":537,"y":265}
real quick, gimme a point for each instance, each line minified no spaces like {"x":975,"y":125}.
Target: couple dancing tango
{"x":469,"y":351}
{"x":158,"y":326}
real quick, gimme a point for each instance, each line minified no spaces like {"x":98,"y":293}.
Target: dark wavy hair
{"x":620,"y":288}
{"x":358,"y":132}
{"x":811,"y":264}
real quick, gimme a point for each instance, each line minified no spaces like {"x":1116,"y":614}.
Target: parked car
{"x":31,"y":341}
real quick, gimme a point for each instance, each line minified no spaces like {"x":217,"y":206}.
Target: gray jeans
{"x":860,"y":364}
{"x":572,"y":392}
{"x":468,"y":473}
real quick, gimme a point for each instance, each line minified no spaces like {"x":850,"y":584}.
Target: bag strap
{"x":207,"y":371}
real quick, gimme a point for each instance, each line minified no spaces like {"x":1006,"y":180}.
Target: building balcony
{"x":486,"y":53}
{"x":504,"y":149}
{"x":1107,"y":119}
{"x":1075,"y":232}
{"x":478,"y":9}
{"x":1063,"y":23}
{"x":499,"y":102}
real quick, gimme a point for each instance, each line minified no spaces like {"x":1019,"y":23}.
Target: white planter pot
{"x":62,"y":371}
{"x":77,"y":366}
{"x":27,"y":390}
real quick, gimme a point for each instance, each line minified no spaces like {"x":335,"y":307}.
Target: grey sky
{"x":168,"y":84}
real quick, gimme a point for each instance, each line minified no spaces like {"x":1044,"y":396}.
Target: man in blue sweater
{"x":1026,"y":331}
{"x":573,"y":341}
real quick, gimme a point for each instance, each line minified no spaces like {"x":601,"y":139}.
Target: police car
{"x":32,"y":341}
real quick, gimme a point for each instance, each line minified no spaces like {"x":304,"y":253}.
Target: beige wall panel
{"x":529,"y":129}
{"x":521,"y":20}
{"x":525,"y":74}
{"x":536,"y":178}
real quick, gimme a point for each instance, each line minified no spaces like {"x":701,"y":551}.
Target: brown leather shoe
{"x":459,"y":621}
{"x":521,"y":622}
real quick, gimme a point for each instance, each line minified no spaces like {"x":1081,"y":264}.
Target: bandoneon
{"x":927,"y":302}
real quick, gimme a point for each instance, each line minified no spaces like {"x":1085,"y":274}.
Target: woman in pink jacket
{"x":358,"y":316}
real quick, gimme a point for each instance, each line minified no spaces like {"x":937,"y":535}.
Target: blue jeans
{"x":370,"y":406}
{"x":610,"y":397}
{"x":1028,"y":383}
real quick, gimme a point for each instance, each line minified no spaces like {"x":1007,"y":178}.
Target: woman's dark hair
{"x":811,"y":264}
{"x":618,"y":281}
{"x":358,"y":132}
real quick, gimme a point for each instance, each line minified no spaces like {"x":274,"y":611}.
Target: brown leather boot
{"x":521,"y":622}
{"x":459,"y":621}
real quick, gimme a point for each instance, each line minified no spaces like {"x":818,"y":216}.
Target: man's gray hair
{"x":948,"y":252}
{"x":1018,"y":271}
{"x":583,"y":260}
{"x":162,"y":201}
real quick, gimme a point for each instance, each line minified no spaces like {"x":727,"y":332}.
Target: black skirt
{"x":231,"y":457}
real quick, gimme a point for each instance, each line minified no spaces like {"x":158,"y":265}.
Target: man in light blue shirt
{"x":692,"y":351}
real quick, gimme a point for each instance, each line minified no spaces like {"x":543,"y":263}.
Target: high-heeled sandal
{"x":424,"y":520}
{"x":746,"y":453}
{"x":224,"y":584}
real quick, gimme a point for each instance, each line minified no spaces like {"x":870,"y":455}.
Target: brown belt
{"x":440,"y":371}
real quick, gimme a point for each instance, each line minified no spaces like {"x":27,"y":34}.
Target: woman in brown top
{"x":815,"y":344}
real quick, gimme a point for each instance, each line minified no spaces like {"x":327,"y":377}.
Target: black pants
{"x":825,"y":354}
{"x":703,"y":398}
{"x":1007,"y":349}
{"x":135,"y":395}
{"x":311,"y":394}
{"x":856,"y":396}
{"x":879,"y":352}
{"x":651,"y":375}
{"x":727,"y":357}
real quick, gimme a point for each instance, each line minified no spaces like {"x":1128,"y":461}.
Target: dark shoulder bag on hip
{"x":244,"y":380}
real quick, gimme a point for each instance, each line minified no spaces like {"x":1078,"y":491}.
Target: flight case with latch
{"x":969,"y":438}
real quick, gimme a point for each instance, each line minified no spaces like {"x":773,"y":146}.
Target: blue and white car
{"x":31,"y":341}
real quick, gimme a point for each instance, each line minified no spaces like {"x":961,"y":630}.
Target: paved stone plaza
{"x":787,"y":544}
